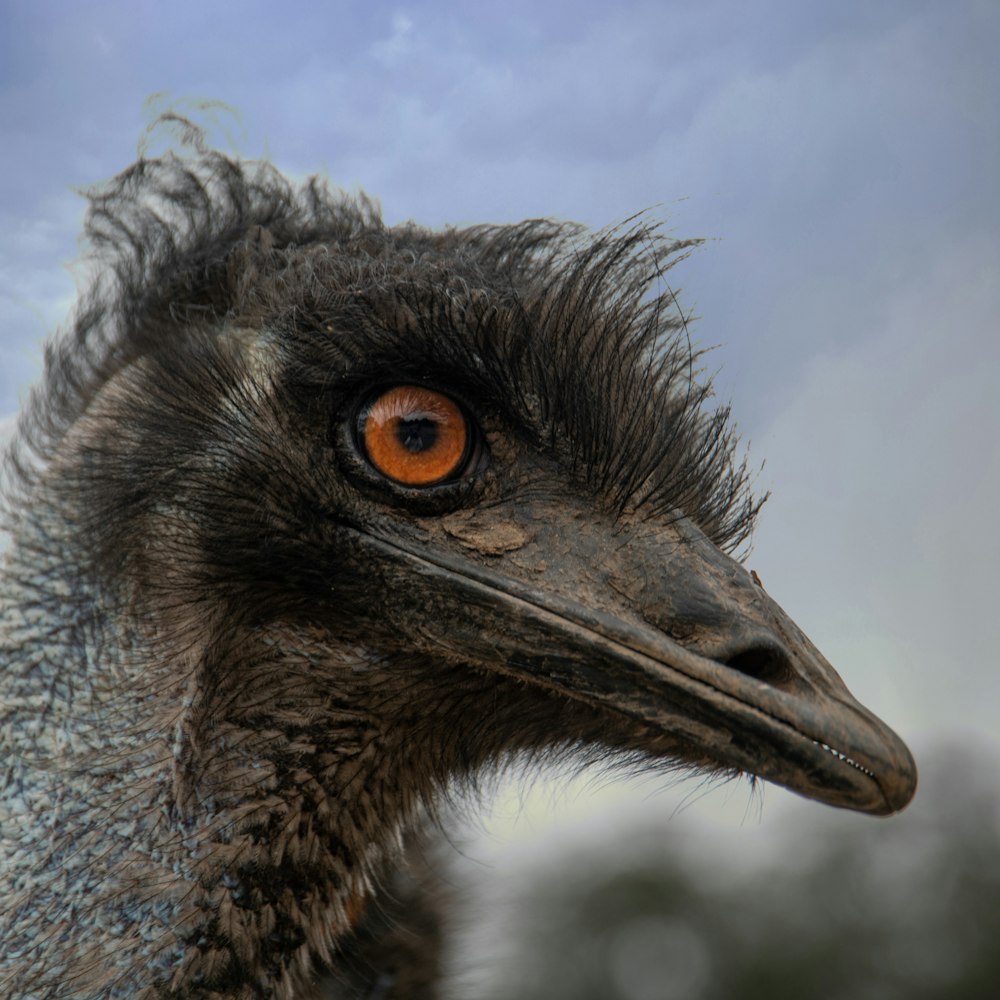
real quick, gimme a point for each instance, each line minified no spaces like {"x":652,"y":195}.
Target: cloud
{"x":879,"y":537}
{"x":846,"y":157}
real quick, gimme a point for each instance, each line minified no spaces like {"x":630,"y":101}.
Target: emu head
{"x":338,"y":514}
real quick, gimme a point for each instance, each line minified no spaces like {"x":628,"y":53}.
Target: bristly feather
{"x":575,"y":338}
{"x":242,"y":664}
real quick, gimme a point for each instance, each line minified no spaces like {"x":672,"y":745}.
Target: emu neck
{"x":183,"y":826}
{"x":200,"y":803}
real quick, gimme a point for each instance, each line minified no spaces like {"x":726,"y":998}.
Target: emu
{"x":310,"y":522}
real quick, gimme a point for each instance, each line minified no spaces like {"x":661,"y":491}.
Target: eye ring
{"x":415,"y":437}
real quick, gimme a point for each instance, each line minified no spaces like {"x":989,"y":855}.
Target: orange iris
{"x":415,"y":436}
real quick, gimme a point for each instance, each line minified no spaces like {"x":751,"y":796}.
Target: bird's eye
{"x":415,"y":436}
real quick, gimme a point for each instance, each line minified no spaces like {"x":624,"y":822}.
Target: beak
{"x":654,"y":623}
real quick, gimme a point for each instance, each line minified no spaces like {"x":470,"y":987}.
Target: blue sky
{"x":841,"y":158}
{"x":828,"y":147}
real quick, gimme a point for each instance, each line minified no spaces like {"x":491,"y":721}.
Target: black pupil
{"x":417,"y":433}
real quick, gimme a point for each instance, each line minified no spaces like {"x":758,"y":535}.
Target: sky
{"x":842,"y":161}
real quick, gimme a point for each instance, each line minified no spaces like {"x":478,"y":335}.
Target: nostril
{"x":763,"y":663}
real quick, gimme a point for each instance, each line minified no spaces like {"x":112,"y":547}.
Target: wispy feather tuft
{"x":577,"y":337}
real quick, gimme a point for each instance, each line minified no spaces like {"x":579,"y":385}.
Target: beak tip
{"x":899,"y":789}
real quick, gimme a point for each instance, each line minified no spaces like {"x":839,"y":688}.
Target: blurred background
{"x":843,"y":162}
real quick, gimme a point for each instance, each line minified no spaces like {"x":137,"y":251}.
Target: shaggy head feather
{"x":216,"y":730}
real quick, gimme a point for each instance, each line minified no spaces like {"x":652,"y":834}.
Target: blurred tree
{"x":906,"y":909}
